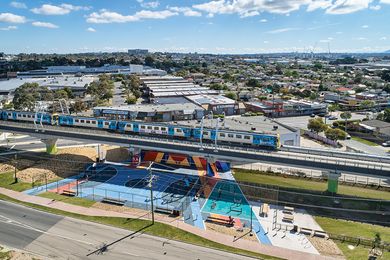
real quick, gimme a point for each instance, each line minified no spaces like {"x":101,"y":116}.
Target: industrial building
{"x":152,"y":112}
{"x":215,"y":104}
{"x":137,"y":51}
{"x":83,"y":70}
{"x":165,"y":87}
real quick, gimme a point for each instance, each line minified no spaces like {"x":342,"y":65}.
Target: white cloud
{"x":186,"y":11}
{"x":45,"y":25}
{"x":245,"y":8}
{"x":384,"y":38}
{"x":249,"y":14}
{"x":90,"y":29}
{"x":384,"y":1}
{"x":48,"y":9}
{"x":8,"y":28}
{"x":263,"y":20}
{"x":153,"y":4}
{"x":18,"y":5}
{"x":319,"y":4}
{"x":375,"y":7}
{"x":11,"y":18}
{"x":282,"y":30}
{"x":348,"y":6}
{"x":365,"y":26}
{"x":105,"y":16}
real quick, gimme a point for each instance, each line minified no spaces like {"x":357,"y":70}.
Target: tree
{"x":386,"y":115}
{"x":346,"y":115}
{"x":231,"y":95}
{"x":25,"y":96}
{"x":61,"y":94}
{"x":69,"y":92}
{"x":333,"y":108}
{"x":253,"y":83}
{"x":101,"y":90}
{"x":335,"y":134}
{"x":316,"y":125}
{"x":149,"y":61}
{"x":131,"y":100}
{"x":385,"y":75}
{"x":78,"y":106}
{"x":365,"y":104}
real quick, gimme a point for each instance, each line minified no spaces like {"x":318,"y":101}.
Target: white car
{"x":386,"y":144}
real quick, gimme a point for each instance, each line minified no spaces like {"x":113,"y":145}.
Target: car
{"x":386,"y":144}
{"x":332,"y":118}
{"x":348,"y":137}
{"x":312,"y":115}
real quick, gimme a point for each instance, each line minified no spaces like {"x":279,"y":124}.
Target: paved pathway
{"x":211,"y":235}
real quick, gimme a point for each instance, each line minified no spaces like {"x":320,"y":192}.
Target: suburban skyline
{"x":204,"y":26}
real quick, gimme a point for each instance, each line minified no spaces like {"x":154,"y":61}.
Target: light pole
{"x":201,"y":134}
{"x":15,"y":168}
{"x":151,"y":189}
{"x":216,"y":134}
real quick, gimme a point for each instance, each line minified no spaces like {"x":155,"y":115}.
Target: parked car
{"x":333,"y":118}
{"x":312,"y":115}
{"x":386,"y":144}
{"x":348,"y":137}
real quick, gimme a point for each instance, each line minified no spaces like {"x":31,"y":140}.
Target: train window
{"x":156,"y":128}
{"x":205,"y":133}
{"x":149,"y":127}
{"x":24,"y":115}
{"x":106,"y":123}
{"x":238,"y":136}
{"x":19,"y":115}
{"x":88,"y":122}
{"x":9,"y":114}
{"x":178,"y":130}
{"x":142,"y":127}
{"x":81,"y":121}
{"x":163,"y":129}
{"x":222,"y":135}
{"x":230,"y":135}
{"x":94,"y":122}
{"x":77,"y":121}
{"x":247,"y":137}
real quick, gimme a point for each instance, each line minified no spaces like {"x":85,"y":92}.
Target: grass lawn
{"x":250,"y":176}
{"x":7,"y":181}
{"x":354,"y":229}
{"x":158,"y":229}
{"x":71,"y":200}
{"x":364,"y":141}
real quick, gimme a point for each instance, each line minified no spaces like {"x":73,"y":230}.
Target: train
{"x":239,"y":138}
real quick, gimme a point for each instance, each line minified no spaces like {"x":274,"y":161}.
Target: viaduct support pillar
{"x":51,"y":145}
{"x":135,"y":154}
{"x":333,"y":182}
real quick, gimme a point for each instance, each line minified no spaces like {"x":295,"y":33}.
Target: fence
{"x":320,"y":138}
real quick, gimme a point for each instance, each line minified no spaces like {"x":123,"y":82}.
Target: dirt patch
{"x":67,"y":162}
{"x":231,"y":231}
{"x":16,"y":255}
{"x":326,"y":247}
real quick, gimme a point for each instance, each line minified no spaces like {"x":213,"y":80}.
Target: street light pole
{"x":151,"y":190}
{"x":201,"y":134}
{"x":15,"y":168}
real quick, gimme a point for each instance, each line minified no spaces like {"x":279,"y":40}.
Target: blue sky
{"x":205,"y":26}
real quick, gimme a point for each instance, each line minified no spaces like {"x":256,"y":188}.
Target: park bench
{"x":221,"y":220}
{"x":69,"y":193}
{"x":288,"y":218}
{"x":164,"y":210}
{"x":113,"y":201}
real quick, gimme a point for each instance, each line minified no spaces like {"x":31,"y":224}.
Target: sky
{"x":203,"y":26}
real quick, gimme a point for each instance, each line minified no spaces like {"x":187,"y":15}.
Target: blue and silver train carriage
{"x":266,"y":141}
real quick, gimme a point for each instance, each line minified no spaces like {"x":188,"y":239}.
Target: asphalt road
{"x":31,"y":143}
{"x":52,"y":236}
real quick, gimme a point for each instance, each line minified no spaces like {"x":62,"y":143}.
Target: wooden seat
{"x":163,"y":210}
{"x":69,"y":193}
{"x":113,"y":201}
{"x":288,"y":218}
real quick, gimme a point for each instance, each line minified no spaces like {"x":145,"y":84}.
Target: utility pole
{"x":201,"y":134}
{"x":151,"y":189}
{"x":216,"y":135}
{"x":15,"y":168}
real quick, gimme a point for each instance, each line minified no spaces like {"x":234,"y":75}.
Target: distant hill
{"x":387,"y":51}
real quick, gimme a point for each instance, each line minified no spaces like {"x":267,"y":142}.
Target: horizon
{"x":204,"y":26}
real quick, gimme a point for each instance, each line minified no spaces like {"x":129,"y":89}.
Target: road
{"x":378,"y":150}
{"x":31,"y":143}
{"x":118,"y":99}
{"x":52,"y":236}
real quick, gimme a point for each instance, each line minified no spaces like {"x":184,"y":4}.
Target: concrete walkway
{"x":211,"y":235}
